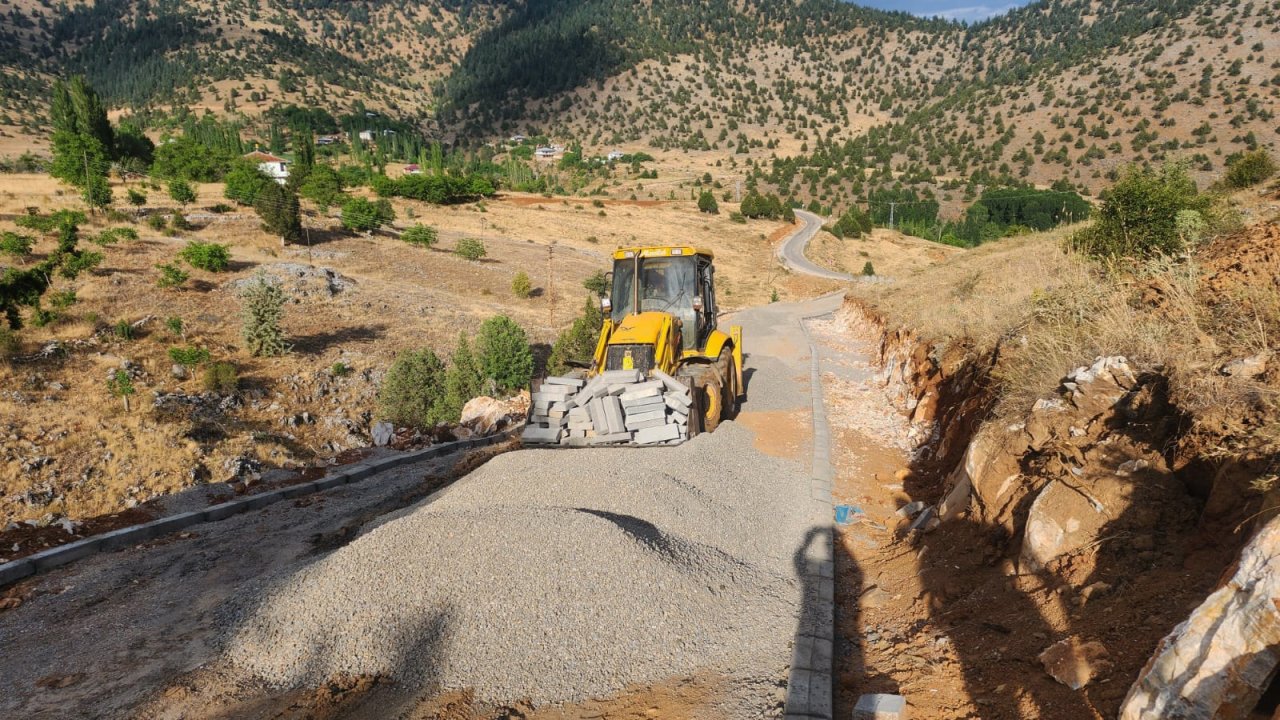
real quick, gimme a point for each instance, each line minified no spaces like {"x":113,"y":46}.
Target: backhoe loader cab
{"x":662,"y":313}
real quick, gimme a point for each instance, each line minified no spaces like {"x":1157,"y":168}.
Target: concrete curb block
{"x":11,"y":572}
{"x":810,"y":685}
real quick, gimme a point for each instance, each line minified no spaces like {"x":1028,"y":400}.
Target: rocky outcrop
{"x":1216,"y":664}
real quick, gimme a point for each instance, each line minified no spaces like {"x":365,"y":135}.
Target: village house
{"x":273,"y":167}
{"x":615,"y":155}
{"x":412,"y":169}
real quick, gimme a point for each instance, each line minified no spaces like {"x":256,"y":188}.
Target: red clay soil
{"x":528,"y":200}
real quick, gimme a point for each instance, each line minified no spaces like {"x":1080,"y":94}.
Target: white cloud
{"x":974,"y":13}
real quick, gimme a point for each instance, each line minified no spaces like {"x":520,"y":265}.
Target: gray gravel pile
{"x":557,"y":576}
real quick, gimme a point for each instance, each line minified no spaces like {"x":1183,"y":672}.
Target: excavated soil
{"x":946,"y":617}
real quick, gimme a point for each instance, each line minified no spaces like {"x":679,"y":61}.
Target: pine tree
{"x":262,"y":310}
{"x":463,"y":381}
{"x":504,"y":353}
{"x":280,"y":211}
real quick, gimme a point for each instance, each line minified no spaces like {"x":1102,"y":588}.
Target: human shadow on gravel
{"x":820,"y":653}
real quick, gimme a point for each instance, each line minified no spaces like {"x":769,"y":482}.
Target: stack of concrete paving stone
{"x":615,"y":407}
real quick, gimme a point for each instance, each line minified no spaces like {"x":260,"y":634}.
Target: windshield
{"x":667,"y":284}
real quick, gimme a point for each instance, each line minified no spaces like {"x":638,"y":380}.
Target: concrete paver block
{"x":657,"y":433}
{"x":880,"y":706}
{"x":613,"y":415}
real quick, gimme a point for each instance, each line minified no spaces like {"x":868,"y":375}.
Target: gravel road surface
{"x":546,"y":575}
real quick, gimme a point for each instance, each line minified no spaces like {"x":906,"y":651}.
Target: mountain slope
{"x":1060,"y":90}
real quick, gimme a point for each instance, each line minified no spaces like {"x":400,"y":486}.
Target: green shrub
{"x":178,"y":222}
{"x":174,"y":326}
{"x":737,"y":217}
{"x":121,"y":385}
{"x":463,"y":381}
{"x":521,"y":285}
{"x":262,"y":310}
{"x":339,"y":369}
{"x":420,"y":235}
{"x":189,"y":356}
{"x":1139,"y":215}
{"x":470,"y":248}
{"x":578,"y":341}
{"x":122,"y":330}
{"x":504,"y":354}
{"x":221,"y":378}
{"x":361,"y":215}
{"x":111,"y":236}
{"x":181,"y":192}
{"x":136,"y":198}
{"x":1249,"y":169}
{"x":10,"y":344}
{"x":74,"y":264}
{"x":171,"y":276}
{"x":707,"y":203}
{"x":156,"y":222}
{"x":411,"y":391}
{"x":63,"y":299}
{"x":206,"y":256}
{"x":598,"y":284}
{"x":51,"y":222}
{"x":15,"y":244}
{"x":868,"y":270}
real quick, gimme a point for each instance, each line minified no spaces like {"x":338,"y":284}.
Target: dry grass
{"x":1048,"y":311}
{"x":103,"y":458}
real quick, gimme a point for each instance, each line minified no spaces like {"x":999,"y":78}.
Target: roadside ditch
{"x":1031,"y":567}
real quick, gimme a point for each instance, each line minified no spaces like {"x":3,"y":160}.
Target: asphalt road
{"x":791,"y":252}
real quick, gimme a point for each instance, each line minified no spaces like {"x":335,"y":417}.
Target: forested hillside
{"x":821,"y":100}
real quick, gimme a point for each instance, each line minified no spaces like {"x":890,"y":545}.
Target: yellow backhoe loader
{"x":661,"y":313}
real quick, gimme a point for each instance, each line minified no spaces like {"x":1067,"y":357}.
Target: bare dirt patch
{"x":780,"y":433}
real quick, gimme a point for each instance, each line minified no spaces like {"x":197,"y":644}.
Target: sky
{"x":967,"y":10}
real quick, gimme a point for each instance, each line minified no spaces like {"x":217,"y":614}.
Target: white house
{"x":273,"y":167}
{"x":366,"y":135}
{"x":615,"y":155}
{"x":545,"y":152}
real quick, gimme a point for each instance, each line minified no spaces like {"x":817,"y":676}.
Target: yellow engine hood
{"x":640,"y":329}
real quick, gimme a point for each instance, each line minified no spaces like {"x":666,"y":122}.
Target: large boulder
{"x":1217,"y":664}
{"x":485,"y":415}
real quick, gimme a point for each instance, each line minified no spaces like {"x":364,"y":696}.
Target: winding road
{"x":791,"y":252}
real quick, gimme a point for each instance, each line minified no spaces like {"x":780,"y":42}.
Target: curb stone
{"x":809,"y":687}
{"x":53,"y":557}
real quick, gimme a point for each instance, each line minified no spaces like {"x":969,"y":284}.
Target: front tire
{"x":712,"y":395}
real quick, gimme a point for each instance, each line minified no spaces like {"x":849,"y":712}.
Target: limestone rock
{"x":1061,"y":519}
{"x":383,"y":433}
{"x":1250,"y":367}
{"x":1217,"y":663}
{"x":1075,"y":663}
{"x":485,"y":415}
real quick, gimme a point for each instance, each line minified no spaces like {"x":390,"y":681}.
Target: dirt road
{"x":162,"y":630}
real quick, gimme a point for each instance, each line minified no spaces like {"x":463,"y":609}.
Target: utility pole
{"x":892,"y":206}
{"x":551,"y":296}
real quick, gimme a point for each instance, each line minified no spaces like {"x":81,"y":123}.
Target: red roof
{"x":263,"y":157}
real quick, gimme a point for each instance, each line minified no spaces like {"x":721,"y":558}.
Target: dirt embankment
{"x":1060,"y":544}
